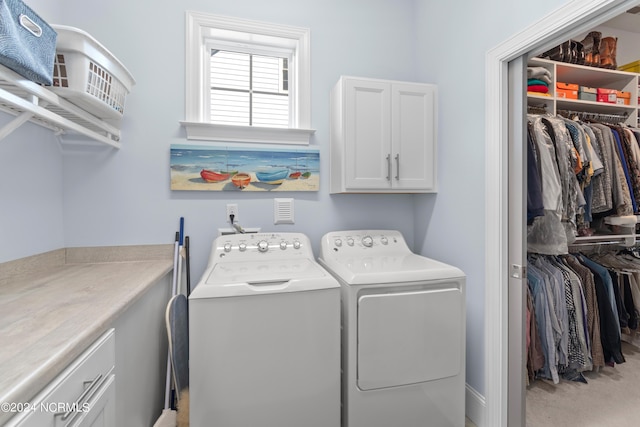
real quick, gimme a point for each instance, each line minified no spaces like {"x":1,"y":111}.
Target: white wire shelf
{"x":28,"y":101}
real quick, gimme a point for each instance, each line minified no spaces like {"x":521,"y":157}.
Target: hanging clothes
{"x":607,"y":307}
{"x":577,"y":305}
{"x":586,"y":171}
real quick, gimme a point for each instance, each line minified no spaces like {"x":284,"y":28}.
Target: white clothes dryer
{"x":403,"y":332}
{"x":264,"y":336}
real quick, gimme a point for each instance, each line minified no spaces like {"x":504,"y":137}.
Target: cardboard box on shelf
{"x":623,"y":98}
{"x":587,"y":93}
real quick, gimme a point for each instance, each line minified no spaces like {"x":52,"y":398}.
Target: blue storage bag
{"x":27,"y":42}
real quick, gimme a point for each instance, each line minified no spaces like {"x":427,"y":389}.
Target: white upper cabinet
{"x":383,"y":136}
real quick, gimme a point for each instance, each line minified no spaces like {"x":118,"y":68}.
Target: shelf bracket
{"x":14,"y":124}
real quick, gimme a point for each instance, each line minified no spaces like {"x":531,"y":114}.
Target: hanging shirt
{"x":602,"y":188}
{"x":609,"y":321}
{"x":592,"y":312}
{"x":535,"y":207}
{"x":546,"y":234}
{"x":622,"y":157}
{"x":535,"y":281}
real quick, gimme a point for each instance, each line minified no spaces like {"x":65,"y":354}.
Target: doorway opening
{"x":574,"y":18}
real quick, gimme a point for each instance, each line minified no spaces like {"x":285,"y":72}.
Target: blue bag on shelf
{"x":27,"y":42}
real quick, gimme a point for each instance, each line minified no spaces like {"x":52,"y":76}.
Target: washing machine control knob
{"x":263,"y":246}
{"x":338,"y":242}
{"x":384,"y":240}
{"x":367,"y":241}
{"x":296,"y":244}
{"x":350,"y":241}
{"x":242,"y":247}
{"x":283,"y":245}
{"x":227,"y":247}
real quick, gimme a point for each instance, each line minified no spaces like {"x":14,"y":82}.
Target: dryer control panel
{"x":361,"y":242}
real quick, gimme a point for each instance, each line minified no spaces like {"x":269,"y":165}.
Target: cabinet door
{"x":368,"y":135}
{"x":414,"y":134}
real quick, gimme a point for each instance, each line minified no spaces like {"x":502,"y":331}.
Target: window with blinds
{"x":248,"y":89}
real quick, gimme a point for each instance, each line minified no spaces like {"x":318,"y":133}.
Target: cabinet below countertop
{"x":56,"y":304}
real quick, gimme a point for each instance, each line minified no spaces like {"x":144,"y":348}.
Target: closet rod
{"x":585,"y":115}
{"x":626,"y":241}
{"x":537,"y":109}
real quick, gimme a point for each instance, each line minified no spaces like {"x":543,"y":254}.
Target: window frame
{"x":201,"y":29}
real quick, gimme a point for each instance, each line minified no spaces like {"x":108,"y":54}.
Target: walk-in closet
{"x":583,"y":208}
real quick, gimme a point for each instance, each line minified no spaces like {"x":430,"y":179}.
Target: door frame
{"x":575,"y":17}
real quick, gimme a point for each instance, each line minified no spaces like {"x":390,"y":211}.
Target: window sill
{"x":225,"y":133}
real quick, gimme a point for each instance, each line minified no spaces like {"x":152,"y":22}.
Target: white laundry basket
{"x":88,"y":75}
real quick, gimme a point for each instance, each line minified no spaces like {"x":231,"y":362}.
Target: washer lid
{"x":252,"y":278}
{"x":389,"y":268}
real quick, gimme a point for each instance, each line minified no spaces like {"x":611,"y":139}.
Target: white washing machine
{"x":264,"y":336}
{"x":403,"y":332}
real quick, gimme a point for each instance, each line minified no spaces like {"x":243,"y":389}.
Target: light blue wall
{"x":453,"y":38}
{"x":31,"y":193}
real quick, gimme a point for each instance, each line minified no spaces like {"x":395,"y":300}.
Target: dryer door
{"x":409,"y":337}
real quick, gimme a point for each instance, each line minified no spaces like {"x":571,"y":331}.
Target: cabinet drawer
{"x":77,"y":392}
{"x":102,"y":404}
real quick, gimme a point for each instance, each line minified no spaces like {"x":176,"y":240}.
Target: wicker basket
{"x":88,"y":75}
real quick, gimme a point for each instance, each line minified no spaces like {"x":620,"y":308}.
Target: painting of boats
{"x":241,"y":180}
{"x":246,"y":169}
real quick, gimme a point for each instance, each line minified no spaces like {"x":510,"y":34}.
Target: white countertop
{"x":54,"y":305}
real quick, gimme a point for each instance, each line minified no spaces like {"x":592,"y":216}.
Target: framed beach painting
{"x":212,"y":168}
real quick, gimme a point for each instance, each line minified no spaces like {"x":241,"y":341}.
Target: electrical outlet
{"x":232,"y":209}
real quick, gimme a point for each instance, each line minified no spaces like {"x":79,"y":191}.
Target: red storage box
{"x":607,"y":95}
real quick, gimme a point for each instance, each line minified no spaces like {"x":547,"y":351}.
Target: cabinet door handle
{"x":397,"y":167}
{"x":92,"y":385}
{"x":388,"y":167}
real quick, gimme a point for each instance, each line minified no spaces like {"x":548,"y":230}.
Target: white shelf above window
{"x":29,"y":101}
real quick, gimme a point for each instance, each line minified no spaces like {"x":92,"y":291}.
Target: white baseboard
{"x":474,"y":406}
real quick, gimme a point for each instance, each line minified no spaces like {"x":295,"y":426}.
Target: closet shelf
{"x":28,"y":101}
{"x":591,"y":77}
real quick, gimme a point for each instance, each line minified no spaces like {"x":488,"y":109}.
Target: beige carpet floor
{"x":610,"y":399}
